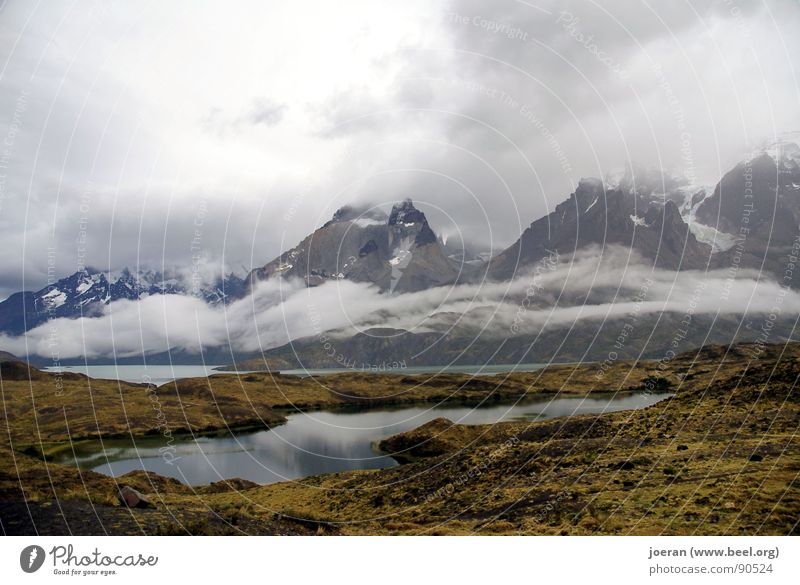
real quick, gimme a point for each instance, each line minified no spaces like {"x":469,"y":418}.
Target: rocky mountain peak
{"x":588,"y":192}
{"x":595,"y":215}
{"x":646,"y":181}
{"x":405,"y":213}
{"x":672,"y":214}
{"x":784,"y":151}
{"x":86,"y":291}
{"x":406,"y":222}
{"x":398,"y":253}
{"x":750,"y":190}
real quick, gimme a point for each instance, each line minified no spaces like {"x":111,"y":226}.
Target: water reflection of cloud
{"x":327,"y":442}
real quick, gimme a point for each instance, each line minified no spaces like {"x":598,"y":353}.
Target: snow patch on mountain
{"x":719,"y":241}
{"x":54,"y":299}
{"x":401,"y":258}
{"x":694,"y":195}
{"x":89,"y":290}
{"x":84,"y":286}
{"x":638,"y":221}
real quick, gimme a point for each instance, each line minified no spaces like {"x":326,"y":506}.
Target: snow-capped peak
{"x":784,"y":150}
{"x":404,"y":213}
{"x":646,"y":181}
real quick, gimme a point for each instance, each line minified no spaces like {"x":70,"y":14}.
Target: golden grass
{"x":720,"y":457}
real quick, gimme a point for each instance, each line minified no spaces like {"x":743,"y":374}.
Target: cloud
{"x":487,"y":114}
{"x":593,"y":285}
{"x":261,"y":112}
{"x":265,"y":112}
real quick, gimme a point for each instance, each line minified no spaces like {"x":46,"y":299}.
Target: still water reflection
{"x":317,"y":442}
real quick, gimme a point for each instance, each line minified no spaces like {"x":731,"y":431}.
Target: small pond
{"x":317,"y":442}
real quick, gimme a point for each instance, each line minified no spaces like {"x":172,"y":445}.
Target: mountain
{"x":382,"y":349}
{"x":760,"y":193}
{"x":748,"y":220}
{"x":757,"y":205}
{"x":84,"y":293}
{"x":595,"y":215}
{"x":397,"y":253}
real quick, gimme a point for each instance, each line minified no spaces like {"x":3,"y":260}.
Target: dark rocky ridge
{"x":397,"y":254}
{"x":758,"y":201}
{"x":594,"y":215}
{"x":87,"y":291}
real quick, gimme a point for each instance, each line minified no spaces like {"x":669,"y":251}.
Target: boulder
{"x":132,"y":499}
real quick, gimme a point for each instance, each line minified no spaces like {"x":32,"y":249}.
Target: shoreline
{"x":678,"y":467}
{"x":51,"y":451}
{"x":408,"y":371}
{"x":53,"y":448}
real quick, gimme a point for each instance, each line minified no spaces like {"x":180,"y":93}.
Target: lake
{"x":138,"y":374}
{"x":484,"y":370}
{"x":317,"y":442}
{"x":161,"y":374}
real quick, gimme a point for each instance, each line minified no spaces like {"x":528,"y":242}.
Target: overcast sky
{"x":148,"y":129}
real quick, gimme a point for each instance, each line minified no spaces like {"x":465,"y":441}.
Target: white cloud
{"x":593,"y":285}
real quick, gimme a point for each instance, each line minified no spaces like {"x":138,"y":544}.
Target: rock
{"x":132,"y":499}
{"x":235,"y":484}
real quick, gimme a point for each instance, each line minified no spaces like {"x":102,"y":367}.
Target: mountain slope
{"x":595,"y":216}
{"x":398,"y":253}
{"x":586,"y":340}
{"x":757,"y":204}
{"x":84,"y":293}
{"x":671,"y":224}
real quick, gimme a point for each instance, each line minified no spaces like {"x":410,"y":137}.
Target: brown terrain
{"x":719,"y":457}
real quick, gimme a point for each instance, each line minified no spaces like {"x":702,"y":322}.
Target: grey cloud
{"x":475,"y":126}
{"x":266,"y":112}
{"x":261,"y":112}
